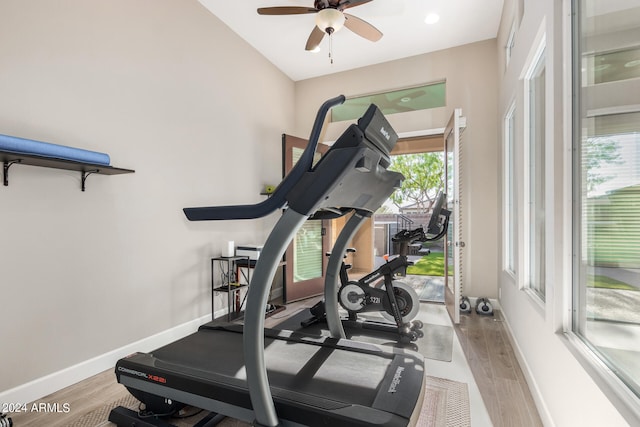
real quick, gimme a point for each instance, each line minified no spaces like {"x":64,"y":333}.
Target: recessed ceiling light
{"x":633,"y":63}
{"x":405,"y":99}
{"x":432,"y":18}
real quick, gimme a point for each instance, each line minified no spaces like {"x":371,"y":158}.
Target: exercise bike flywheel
{"x":352,"y":297}
{"x":407,"y":300}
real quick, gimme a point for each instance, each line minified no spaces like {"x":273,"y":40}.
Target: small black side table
{"x":229,"y":282}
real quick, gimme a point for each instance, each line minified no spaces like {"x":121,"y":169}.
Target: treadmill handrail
{"x":278,"y":198}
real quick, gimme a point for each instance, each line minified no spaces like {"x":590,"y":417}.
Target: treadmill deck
{"x":314,"y":380}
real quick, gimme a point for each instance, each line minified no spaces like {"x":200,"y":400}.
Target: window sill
{"x":620,"y":396}
{"x":534,"y":297}
{"x":510,"y":275}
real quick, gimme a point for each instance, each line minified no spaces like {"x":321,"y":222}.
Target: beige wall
{"x":166,"y":89}
{"x":363,"y":260}
{"x":470,"y":72}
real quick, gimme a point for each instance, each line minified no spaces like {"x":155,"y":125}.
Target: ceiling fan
{"x":329,"y":19}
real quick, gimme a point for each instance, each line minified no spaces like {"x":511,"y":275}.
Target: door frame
{"x":454,"y":129}
{"x":294,"y":291}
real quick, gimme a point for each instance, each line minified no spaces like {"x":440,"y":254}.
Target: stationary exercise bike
{"x":394,"y":299}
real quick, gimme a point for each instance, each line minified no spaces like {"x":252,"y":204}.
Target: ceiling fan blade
{"x":362,"y":28}
{"x":346,"y":4}
{"x":314,"y":38}
{"x":285,"y":10}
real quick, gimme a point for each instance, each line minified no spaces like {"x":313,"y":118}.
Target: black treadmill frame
{"x":351,"y":176}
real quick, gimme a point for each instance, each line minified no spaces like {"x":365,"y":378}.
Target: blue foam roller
{"x":45,"y":149}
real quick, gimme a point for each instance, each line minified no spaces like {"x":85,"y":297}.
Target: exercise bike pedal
{"x":409,"y":335}
{"x":413,"y":336}
{"x":408,"y":339}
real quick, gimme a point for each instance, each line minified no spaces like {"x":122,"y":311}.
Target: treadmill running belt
{"x":309,"y":377}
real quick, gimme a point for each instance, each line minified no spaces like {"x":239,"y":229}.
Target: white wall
{"x":166,"y":89}
{"x":471,"y":84}
{"x":565,"y":394}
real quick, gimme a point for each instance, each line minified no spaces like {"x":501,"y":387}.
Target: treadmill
{"x":274,"y":377}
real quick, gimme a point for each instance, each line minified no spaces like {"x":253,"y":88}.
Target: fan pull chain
{"x":331,"y":48}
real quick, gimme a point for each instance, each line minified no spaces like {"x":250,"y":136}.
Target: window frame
{"x":620,"y":395}
{"x":508,"y":48}
{"x":509,"y":193}
{"x":536,"y":62}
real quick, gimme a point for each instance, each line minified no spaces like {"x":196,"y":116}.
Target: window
{"x":509,"y":206}
{"x":307,"y":245}
{"x":510,"y":43}
{"x":535,"y":247}
{"x":606,"y":176}
{"x":432,"y":95}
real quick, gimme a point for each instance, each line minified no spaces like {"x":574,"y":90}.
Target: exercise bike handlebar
{"x":436,"y":229}
{"x":278,"y":198}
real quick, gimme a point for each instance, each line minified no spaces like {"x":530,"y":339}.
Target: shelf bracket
{"x":5,"y":173}
{"x":85,"y":175}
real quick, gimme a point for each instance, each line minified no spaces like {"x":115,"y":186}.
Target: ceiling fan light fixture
{"x":331,"y":19}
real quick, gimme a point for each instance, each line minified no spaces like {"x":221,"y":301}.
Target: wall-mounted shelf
{"x":8,"y":159}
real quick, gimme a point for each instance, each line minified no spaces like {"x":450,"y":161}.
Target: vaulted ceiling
{"x":282,"y":39}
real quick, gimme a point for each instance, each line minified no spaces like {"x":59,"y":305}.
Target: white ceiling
{"x":282,"y":39}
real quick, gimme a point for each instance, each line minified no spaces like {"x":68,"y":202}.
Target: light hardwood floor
{"x":496,"y":370}
{"x":482,"y":338}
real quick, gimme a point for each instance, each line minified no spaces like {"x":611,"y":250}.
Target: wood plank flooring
{"x":496,"y":370}
{"x":483,"y":339}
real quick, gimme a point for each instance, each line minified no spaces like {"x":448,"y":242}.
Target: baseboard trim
{"x":44,"y":386}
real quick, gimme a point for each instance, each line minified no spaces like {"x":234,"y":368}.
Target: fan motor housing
{"x":323,"y":4}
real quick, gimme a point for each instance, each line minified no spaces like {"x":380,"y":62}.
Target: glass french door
{"x":305,"y":256}
{"x":454,"y":246}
